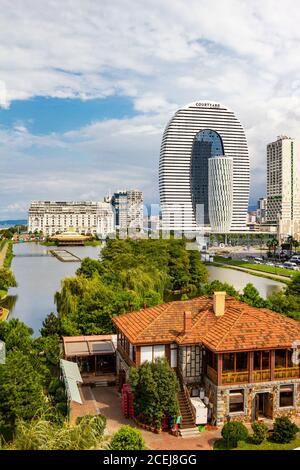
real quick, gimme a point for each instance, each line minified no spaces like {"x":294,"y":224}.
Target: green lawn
{"x":257,"y":267}
{"x":267,"y":445}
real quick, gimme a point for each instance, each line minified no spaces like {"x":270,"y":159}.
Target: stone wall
{"x":219,"y":398}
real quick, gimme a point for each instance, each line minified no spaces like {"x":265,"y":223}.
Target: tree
{"x":7,"y":279}
{"x":294,"y":286}
{"x":16,"y":335}
{"x":284,"y":430}
{"x":51,"y":325}
{"x":127,"y":438}
{"x":155,"y":388}
{"x":21,"y":392}
{"x":251,"y":296}
{"x":233,"y":432}
{"x":216,"y":285}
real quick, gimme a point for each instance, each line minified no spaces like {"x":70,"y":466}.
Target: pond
{"x":39,"y":276}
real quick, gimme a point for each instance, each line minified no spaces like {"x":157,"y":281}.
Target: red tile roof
{"x":242,"y":327}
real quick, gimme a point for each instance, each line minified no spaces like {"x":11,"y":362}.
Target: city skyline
{"x":76,"y":122}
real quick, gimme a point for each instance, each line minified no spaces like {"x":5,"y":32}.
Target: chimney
{"x":219,"y":303}
{"x":187,"y":321}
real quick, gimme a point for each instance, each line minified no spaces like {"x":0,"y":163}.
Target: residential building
{"x":105,"y":220}
{"x":243,"y":359}
{"x":283,"y":186}
{"x":84,"y":217}
{"x":261,"y":211}
{"x":129,"y":209}
{"x":204,"y":174}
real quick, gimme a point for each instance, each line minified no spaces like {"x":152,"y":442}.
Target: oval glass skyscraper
{"x":197,"y":133}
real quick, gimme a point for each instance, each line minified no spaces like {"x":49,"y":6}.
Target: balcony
{"x":261,"y":375}
{"x":235,"y":377}
{"x":287,"y":373}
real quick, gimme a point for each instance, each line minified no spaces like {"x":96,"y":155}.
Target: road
{"x":3,"y":254}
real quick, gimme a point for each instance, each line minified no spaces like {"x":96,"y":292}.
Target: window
{"x":173,"y":349}
{"x":228,"y":362}
{"x":236,"y":401}
{"x":261,"y":360}
{"x":283,"y":358}
{"x":150,"y":353}
{"x":286,"y":396}
{"x":235,"y":362}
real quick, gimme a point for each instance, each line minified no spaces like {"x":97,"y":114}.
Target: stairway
{"x":187,"y":418}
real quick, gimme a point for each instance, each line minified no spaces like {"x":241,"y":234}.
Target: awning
{"x":71,"y":377}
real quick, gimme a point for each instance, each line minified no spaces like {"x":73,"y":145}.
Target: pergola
{"x":95,"y":355}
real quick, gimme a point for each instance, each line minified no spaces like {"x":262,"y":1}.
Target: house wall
{"x":219,"y":398}
{"x":190,"y":363}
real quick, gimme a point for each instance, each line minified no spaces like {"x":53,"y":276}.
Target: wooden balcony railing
{"x":212,"y":374}
{"x":125,"y":355}
{"x":287,"y":372}
{"x":235,"y":377}
{"x":261,"y":375}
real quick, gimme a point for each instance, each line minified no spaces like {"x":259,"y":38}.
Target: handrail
{"x":212,"y":374}
{"x":286,"y":372}
{"x":187,"y":396}
{"x":125,"y":355}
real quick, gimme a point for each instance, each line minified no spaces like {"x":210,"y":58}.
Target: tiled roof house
{"x":245,"y":358}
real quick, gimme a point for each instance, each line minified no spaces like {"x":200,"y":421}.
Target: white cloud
{"x":160,"y":53}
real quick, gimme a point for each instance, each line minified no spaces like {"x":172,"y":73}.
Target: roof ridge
{"x":231,"y":326}
{"x":156,"y":317}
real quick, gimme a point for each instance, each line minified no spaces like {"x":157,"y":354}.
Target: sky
{"x":87,"y":87}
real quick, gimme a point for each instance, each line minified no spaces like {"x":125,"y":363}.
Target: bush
{"x":284,"y":430}
{"x":233,"y":432}
{"x":127,"y":438}
{"x":260,"y":432}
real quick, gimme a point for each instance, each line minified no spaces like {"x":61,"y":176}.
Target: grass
{"x":258,"y":267}
{"x":220,"y":444}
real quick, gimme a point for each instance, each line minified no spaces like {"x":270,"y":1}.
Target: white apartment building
{"x":261,"y":211}
{"x":204,"y":174}
{"x":105,"y":220}
{"x":283,"y":186}
{"x":129,"y":209}
{"x":88,"y":217}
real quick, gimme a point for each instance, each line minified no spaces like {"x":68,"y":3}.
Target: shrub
{"x":284,"y":430}
{"x":127,"y":438}
{"x":260,"y":432}
{"x":233,"y":432}
{"x":96,"y":423}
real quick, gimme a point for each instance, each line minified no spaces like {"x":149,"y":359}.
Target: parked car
{"x":295,"y":259}
{"x":290,"y":265}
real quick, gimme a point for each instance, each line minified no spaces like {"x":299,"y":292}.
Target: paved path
{"x":106,"y":400}
{"x":3,"y":254}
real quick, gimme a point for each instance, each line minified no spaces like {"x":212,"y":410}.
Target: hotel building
{"x":204,"y":170}
{"x":51,"y":217}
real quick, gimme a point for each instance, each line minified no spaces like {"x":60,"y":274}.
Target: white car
{"x":290,"y":265}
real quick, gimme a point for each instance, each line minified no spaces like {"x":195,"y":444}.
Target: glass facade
{"x":207,"y":144}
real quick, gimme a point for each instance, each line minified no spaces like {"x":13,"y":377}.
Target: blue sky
{"x":85,"y":92}
{"x":45,"y":115}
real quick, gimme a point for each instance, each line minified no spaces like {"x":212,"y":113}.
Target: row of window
{"x":237,"y":398}
{"x":238,"y":362}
